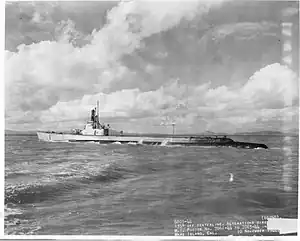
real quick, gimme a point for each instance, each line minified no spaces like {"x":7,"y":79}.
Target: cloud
{"x":66,"y":32}
{"x":138,"y":63}
{"x":243,"y":107}
{"x":243,"y":30}
{"x":150,"y":68}
{"x":46,"y":65}
{"x":276,"y":82}
{"x":161,"y":55}
{"x":32,"y":22}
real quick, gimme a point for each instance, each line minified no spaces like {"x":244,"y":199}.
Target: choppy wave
{"x":12,"y":211}
{"x":17,"y":223}
{"x":39,"y":192}
{"x":35,"y":193}
{"x":109,"y":174}
{"x":17,"y":174}
{"x":257,"y":201}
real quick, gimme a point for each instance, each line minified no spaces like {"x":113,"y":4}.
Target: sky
{"x":207,"y":65}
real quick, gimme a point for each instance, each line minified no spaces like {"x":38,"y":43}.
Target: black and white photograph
{"x":151,"y":118}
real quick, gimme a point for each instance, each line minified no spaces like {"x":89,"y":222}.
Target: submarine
{"x":94,"y":131}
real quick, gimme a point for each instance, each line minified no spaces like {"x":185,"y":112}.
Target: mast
{"x":98,"y":115}
{"x":173,"y":125}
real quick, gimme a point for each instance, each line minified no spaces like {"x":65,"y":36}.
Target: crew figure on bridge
{"x":93,"y":114}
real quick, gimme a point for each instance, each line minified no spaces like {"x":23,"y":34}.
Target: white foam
{"x":132,"y":143}
{"x":231,"y":177}
{"x":117,"y":143}
{"x":11,"y":211}
{"x":164,"y":142}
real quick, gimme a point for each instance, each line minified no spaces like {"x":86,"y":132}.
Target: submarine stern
{"x":249,"y":145}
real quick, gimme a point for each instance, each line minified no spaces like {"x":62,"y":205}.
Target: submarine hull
{"x":148,"y":140}
{"x":249,"y":145}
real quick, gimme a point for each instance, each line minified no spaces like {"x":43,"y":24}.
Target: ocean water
{"x":92,"y":189}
